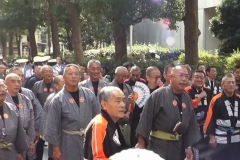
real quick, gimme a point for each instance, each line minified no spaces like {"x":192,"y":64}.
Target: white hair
{"x":93,"y":61}
{"x":106,"y":92}
{"x":136,"y":154}
{"x":45,"y":66}
{"x":228,"y":75}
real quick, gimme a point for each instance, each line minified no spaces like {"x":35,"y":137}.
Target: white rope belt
{"x":80,"y":132}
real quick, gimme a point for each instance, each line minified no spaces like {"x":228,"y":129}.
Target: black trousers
{"x":40,"y":149}
{"x":227,"y":152}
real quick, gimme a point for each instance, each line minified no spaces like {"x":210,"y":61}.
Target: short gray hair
{"x":93,"y":61}
{"x":70,"y":65}
{"x":45,"y":66}
{"x":228,"y":75}
{"x":10,"y":70}
{"x":106,"y":92}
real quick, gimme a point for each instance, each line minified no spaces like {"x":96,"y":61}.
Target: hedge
{"x":154,"y":55}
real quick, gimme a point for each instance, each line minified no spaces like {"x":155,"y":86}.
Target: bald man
{"x":118,"y":81}
{"x":169,"y":120}
{"x":23,"y":107}
{"x":135,"y":75}
{"x":153,"y":76}
{"x":120,"y":75}
{"x":13,"y":137}
{"x":37,"y":108}
{"x":58,"y":82}
{"x":42,"y":89}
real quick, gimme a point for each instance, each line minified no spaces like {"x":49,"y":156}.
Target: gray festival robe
{"x":43,"y":121}
{"x":14,"y":133}
{"x":58,"y":68}
{"x":65,"y":114}
{"x":26,"y":114}
{"x":125,"y":129}
{"x":161,"y":112}
{"x":37,"y":107}
{"x":41,"y":92}
{"x":127,"y":90}
{"x":88,"y":84}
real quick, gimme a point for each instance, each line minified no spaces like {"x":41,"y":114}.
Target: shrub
{"x":232,"y":60}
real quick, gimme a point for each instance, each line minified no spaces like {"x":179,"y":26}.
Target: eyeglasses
{"x":3,"y":87}
{"x":199,"y":78}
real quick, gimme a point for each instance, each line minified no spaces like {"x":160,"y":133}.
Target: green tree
{"x":226,"y":27}
{"x":123,"y":13}
{"x":24,"y":15}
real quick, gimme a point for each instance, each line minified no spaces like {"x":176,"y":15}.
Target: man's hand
{"x":31,"y":149}
{"x":160,"y":83}
{"x":140,"y":146}
{"x":19,"y":157}
{"x":37,"y":135}
{"x":212,"y":141}
{"x":57,"y":155}
{"x":202,"y":95}
{"x":130,"y":99}
{"x":126,"y":117}
{"x":189,"y":154}
{"x":141,"y":143}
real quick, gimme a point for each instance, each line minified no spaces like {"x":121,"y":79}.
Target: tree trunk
{"x":10,"y":44}
{"x":120,"y":39}
{"x":70,"y":48}
{"x":76,"y":31}
{"x":191,"y":32}
{"x":32,"y":41}
{"x":54,"y":28}
{"x":4,"y":45}
{"x":18,"y":40}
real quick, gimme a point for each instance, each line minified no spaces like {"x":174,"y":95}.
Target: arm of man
{"x":210,"y":123}
{"x":98,"y":135}
{"x":37,"y":108}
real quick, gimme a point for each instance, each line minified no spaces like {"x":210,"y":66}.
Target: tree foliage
{"x":121,"y":14}
{"x":226,"y":26}
{"x":130,"y":12}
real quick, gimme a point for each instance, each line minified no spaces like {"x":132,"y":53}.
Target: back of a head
{"x":136,"y":154}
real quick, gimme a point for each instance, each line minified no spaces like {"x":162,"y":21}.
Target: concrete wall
{"x":150,"y":32}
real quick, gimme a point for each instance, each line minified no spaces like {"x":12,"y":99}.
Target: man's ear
{"x":103,"y":104}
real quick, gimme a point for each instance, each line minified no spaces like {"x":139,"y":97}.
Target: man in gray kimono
{"x":69,"y":113}
{"x":94,"y":82}
{"x":58,"y":85}
{"x":121,"y":74}
{"x":168,"y":124}
{"x":23,"y":108}
{"x":12,"y":136}
{"x":42,"y":89}
{"x":37,"y":107}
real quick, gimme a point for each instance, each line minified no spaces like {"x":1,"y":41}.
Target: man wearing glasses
{"x":201,"y":98}
{"x":153,"y":76}
{"x":168,"y":123}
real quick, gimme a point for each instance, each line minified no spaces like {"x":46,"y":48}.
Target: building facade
{"x":158,"y":32}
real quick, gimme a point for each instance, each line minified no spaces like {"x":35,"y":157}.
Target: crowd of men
{"x":84,"y":113}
